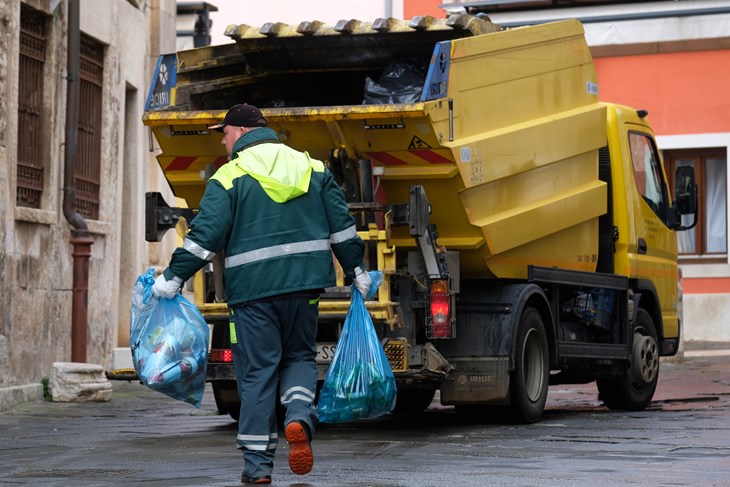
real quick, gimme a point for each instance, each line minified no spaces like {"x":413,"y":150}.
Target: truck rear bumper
{"x":226,"y":372}
{"x":410,"y":364}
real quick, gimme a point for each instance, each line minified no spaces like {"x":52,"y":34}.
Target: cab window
{"x":648,"y":173}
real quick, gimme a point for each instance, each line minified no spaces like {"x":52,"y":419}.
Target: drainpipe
{"x":80,"y":237}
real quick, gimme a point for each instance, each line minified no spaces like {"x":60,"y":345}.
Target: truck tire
{"x":634,"y":390}
{"x":226,"y":398}
{"x":530,"y":378}
{"x":413,"y":399}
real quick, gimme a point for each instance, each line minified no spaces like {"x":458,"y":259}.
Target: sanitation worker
{"x":278,"y":215}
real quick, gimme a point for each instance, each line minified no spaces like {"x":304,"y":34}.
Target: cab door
{"x":656,"y":242}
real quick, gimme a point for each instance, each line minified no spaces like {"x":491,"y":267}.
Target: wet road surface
{"x":144,"y":438}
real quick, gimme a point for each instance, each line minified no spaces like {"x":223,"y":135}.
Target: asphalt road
{"x":144,"y":438}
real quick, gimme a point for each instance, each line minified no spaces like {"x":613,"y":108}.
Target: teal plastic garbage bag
{"x":169,"y":342}
{"x":359,"y":383}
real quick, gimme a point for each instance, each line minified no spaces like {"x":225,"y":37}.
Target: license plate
{"x":325,"y":352}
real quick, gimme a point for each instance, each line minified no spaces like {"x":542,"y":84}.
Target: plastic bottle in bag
{"x":181,"y":370}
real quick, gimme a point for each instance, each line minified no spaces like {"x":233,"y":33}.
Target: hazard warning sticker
{"x":417,"y":143}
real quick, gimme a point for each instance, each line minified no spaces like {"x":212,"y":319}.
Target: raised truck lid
{"x":503,"y":130}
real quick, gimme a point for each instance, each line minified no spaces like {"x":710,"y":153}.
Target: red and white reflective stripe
{"x":180,"y":163}
{"x":183,"y":163}
{"x":399,"y":158}
{"x":385,"y":158}
{"x":431,"y":156}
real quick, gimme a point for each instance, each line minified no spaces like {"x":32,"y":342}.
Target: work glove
{"x":164,"y":288}
{"x":362,"y":281}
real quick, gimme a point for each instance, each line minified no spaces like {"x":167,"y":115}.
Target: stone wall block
{"x":79,"y":382}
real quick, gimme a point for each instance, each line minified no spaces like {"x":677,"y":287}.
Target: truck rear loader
{"x":525,"y":230}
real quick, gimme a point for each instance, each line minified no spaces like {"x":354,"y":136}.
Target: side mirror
{"x":685,"y":190}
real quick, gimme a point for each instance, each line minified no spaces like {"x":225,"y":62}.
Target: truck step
{"x":592,"y":350}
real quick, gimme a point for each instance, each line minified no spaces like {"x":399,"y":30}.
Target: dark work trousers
{"x":276,"y":347}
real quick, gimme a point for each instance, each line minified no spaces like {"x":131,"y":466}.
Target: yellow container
{"x":504,"y":140}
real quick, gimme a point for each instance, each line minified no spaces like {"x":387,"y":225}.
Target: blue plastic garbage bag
{"x":359,"y":383}
{"x":169,"y":342}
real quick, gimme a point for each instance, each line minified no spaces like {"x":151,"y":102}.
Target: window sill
{"x":35,"y":215}
{"x":702,"y":259}
{"x":97,"y":227}
{"x":47,"y":217}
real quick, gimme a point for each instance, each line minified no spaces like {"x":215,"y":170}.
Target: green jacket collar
{"x":254,"y":137}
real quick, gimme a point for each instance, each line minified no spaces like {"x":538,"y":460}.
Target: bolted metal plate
{"x":477,"y":381}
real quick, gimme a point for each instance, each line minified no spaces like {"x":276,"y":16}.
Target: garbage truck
{"x":526,"y":230}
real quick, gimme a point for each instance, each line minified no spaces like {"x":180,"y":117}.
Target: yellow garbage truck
{"x":525,"y":230}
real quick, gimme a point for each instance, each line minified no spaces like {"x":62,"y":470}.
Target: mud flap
{"x":477,"y":381}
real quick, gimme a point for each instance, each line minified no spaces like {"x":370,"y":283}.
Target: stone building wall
{"x":36,"y":264}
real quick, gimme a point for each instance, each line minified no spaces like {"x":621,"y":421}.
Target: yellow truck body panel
{"x":498,"y":169}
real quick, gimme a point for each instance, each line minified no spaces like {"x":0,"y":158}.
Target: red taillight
{"x":221,"y":355}
{"x":440,"y":309}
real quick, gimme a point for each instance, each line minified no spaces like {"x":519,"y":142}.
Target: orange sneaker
{"x":300,"y":452}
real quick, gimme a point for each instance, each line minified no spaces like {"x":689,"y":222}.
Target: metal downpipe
{"x":80,"y":237}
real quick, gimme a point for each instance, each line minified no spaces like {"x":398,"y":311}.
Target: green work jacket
{"x":278,"y":215}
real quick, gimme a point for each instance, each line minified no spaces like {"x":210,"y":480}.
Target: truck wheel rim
{"x":644,"y":359}
{"x":532,"y":362}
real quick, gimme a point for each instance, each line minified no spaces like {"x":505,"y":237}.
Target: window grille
{"x":88,"y":158}
{"x":30,"y":166}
